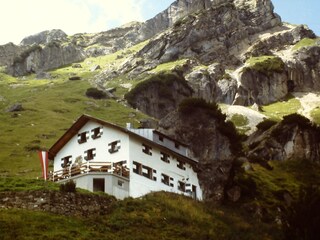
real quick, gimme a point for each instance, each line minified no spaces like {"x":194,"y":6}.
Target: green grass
{"x":28,"y":225}
{"x":306,"y":42}
{"x":315,"y":114}
{"x":277,"y":110}
{"x":19,"y":184}
{"x":266,"y":188}
{"x":241,"y":122}
{"x":155,"y":216}
{"x":169,"y":66}
{"x":265,"y":64}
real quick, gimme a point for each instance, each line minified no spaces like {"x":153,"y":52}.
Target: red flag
{"x":43,"y":155}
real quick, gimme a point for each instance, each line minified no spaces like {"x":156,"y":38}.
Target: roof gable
{"x":84,"y":119}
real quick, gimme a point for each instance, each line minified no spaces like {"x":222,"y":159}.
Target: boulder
{"x":76,"y":65}
{"x":17,"y":107}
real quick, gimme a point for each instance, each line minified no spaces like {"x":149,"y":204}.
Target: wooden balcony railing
{"x":118,"y":168}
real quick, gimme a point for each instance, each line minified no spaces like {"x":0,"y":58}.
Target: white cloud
{"x":21,"y":18}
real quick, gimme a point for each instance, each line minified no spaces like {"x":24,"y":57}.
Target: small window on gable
{"x":165,"y":157}
{"x":114,"y":146}
{"x":66,"y":161}
{"x":83,"y":137}
{"x":181,"y":165}
{"x":96,"y":132}
{"x":90,"y":154}
{"x":146,"y":149}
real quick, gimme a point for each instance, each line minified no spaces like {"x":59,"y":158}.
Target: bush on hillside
{"x":266,"y":124}
{"x":302,"y":218}
{"x":95,"y":93}
{"x":69,"y":186}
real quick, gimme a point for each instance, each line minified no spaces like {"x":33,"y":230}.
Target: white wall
{"x":140,"y":185}
{"x":100,"y":144}
{"x":85,"y":181}
{"x":130,"y":151}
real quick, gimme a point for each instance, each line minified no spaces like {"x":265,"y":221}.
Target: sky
{"x":21,"y":18}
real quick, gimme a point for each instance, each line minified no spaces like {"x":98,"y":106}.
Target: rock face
{"x":229,"y":33}
{"x":8,"y":52}
{"x":45,"y":37}
{"x":37,"y":59}
{"x":160,"y":94}
{"x":208,"y":145}
{"x":295,"y":139}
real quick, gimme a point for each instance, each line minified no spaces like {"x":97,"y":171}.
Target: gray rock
{"x":76,"y":65}
{"x":45,"y":37}
{"x":207,"y":144}
{"x":43,"y":75}
{"x":95,"y":68}
{"x":17,"y":107}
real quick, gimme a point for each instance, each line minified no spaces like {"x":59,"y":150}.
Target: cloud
{"x":21,"y":18}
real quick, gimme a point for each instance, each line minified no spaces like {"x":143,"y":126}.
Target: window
{"x":167,"y":180}
{"x":90,"y":154}
{"x":137,"y":168}
{"x":146,"y":149}
{"x":165,"y":157}
{"x":181,"y":186}
{"x":114,"y":146}
{"x":188,"y":188}
{"x":66,"y":161}
{"x":181,"y":165}
{"x":120,"y":183}
{"x":98,"y":184}
{"x":145,"y":171}
{"x":149,"y":172}
{"x":176,"y":145}
{"x":83,"y":137}
{"x":160,"y":138}
{"x":96,"y":132}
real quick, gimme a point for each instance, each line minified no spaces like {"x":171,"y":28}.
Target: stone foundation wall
{"x":69,"y":204}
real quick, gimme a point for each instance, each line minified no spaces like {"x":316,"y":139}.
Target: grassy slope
{"x":156,"y":216}
{"x":51,"y":106}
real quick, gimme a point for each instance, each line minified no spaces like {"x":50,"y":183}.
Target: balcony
{"x":117,"y":168}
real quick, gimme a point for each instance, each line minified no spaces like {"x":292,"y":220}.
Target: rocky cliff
{"x":295,"y":138}
{"x":212,"y":141}
{"x":233,"y":34}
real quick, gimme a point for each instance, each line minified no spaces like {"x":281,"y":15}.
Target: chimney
{"x":129,"y":126}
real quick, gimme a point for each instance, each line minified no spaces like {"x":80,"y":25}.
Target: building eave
{"x":82,"y":120}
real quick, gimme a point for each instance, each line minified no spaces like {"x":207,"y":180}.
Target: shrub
{"x":69,"y":186}
{"x":191,"y":105}
{"x":303,"y":216}
{"x":266,"y":124}
{"x":95,"y":93}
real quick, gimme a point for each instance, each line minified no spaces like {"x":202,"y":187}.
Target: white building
{"x":123,"y":162}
